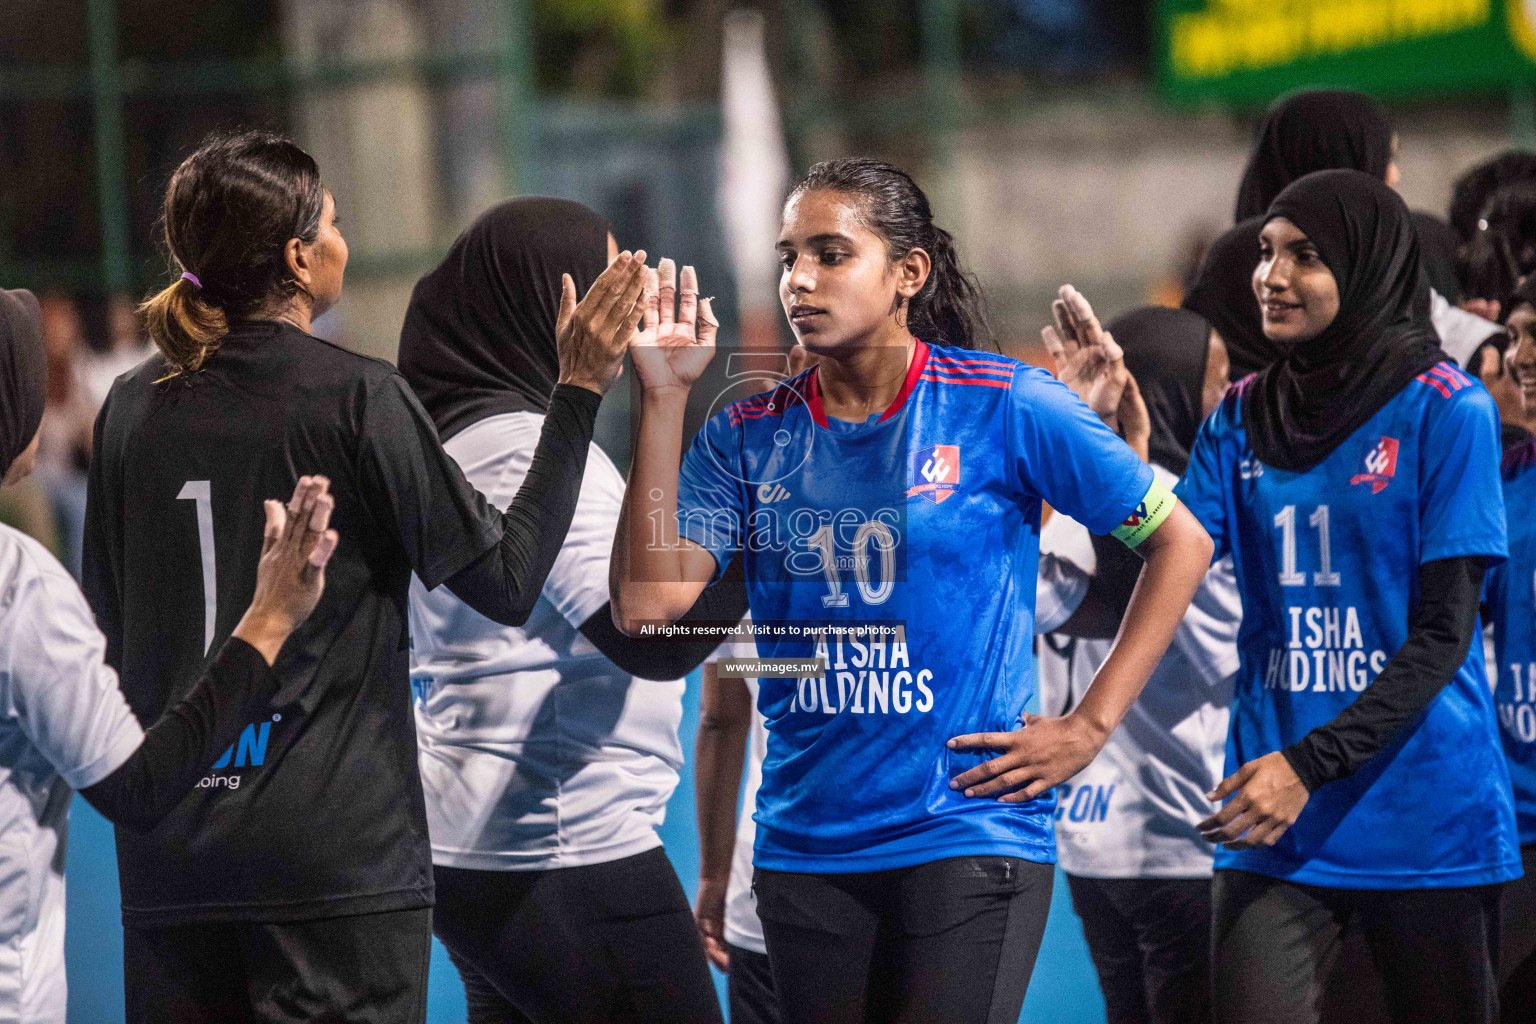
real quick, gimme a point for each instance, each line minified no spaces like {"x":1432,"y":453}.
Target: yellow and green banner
{"x":1251,"y":51}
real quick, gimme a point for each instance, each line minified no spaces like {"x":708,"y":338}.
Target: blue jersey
{"x":925,"y":519}
{"x":1512,"y":607}
{"x":1327,"y":566}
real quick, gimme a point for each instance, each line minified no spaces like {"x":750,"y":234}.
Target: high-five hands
{"x":295,"y":547}
{"x":592,"y":337}
{"x":673,"y":347}
{"x":1087,"y":358}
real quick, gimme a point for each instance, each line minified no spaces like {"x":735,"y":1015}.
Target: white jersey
{"x":536,"y":751}
{"x":1132,"y":812}
{"x":742,"y":928}
{"x":64,"y":725}
{"x":1461,"y":333}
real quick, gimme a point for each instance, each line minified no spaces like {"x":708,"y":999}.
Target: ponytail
{"x":951,"y":303}
{"x":230,"y":210}
{"x":186,"y":329}
{"x":949,"y":309}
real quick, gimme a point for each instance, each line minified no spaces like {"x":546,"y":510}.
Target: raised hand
{"x":1087,"y":358}
{"x":1135,"y":422}
{"x":296,"y":545}
{"x":592,"y":337}
{"x":673,"y":347}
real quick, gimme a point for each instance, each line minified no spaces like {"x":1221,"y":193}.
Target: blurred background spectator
{"x":64,"y":447}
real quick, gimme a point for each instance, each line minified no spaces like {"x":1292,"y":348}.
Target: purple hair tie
{"x":187,"y":275}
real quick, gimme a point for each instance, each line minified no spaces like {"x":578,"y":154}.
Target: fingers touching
{"x":277,"y":521}
{"x":652,"y":318}
{"x":611,"y":299}
{"x":666,"y":290}
{"x":673,"y":306}
{"x":688,"y":298}
{"x":708,"y":325}
{"x":302,"y":527}
{"x":567,"y":303}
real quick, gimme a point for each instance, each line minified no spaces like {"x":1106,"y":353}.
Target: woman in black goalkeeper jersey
{"x":297,"y":884}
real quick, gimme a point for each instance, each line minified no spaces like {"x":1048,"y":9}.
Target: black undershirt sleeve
{"x":1115,"y":574}
{"x":1116,"y":570}
{"x":504,"y":583}
{"x":236,"y":689}
{"x":722,"y":603}
{"x":1440,"y":632}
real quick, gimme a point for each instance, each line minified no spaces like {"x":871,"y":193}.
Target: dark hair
{"x":949,"y":309}
{"x":230,"y":209}
{"x":1473,"y":189}
{"x":1504,"y":249}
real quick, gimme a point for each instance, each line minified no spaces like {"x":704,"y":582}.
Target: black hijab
{"x":23,"y":373}
{"x":1166,"y":351}
{"x":479,"y":334}
{"x":1314,"y":131}
{"x":1304,"y":406}
{"x":1437,"y":248}
{"x":1223,"y":294}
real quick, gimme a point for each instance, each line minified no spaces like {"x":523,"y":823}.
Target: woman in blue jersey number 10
{"x":1355,"y":483}
{"x":888,"y":504}
{"x":1511,"y":599}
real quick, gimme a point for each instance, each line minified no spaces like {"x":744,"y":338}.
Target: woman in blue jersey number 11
{"x":1511,"y":599}
{"x":901,"y":869}
{"x":1355,"y":483}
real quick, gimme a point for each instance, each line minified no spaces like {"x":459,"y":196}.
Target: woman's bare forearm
{"x":649,"y":576}
{"x":1178,"y":554}
{"x":725,"y":721}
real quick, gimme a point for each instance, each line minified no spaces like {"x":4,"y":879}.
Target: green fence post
{"x":516,"y":82}
{"x":107,"y":101}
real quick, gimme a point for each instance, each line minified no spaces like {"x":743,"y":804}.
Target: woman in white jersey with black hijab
{"x":549,"y":751}
{"x":1126,"y":826}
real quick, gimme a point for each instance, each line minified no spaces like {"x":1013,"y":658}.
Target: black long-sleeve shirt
{"x":236,"y":689}
{"x":328,"y":817}
{"x":1440,"y":631}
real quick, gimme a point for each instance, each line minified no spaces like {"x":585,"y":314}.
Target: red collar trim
{"x":914,"y":373}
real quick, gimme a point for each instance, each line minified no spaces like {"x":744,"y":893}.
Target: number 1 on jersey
{"x":201,"y":492}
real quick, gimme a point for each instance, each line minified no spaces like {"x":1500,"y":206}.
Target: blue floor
{"x":1062,"y":991}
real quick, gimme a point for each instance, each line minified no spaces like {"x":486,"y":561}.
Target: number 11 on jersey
{"x":1285,"y":522}
{"x":201,"y":492}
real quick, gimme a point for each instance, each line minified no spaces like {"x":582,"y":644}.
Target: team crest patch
{"x":1380,"y":465}
{"x":934,"y":472}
